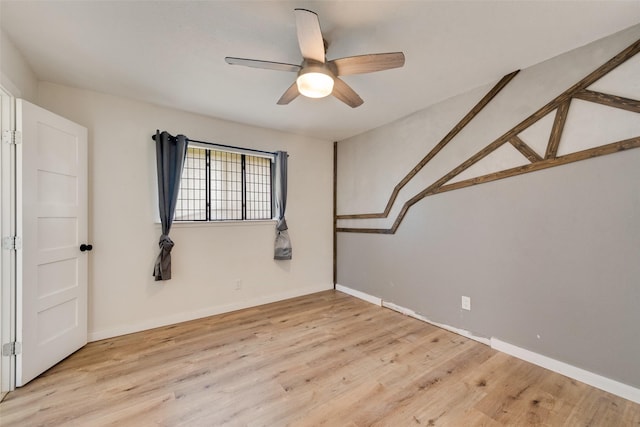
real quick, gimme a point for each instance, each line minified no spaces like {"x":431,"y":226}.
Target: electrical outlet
{"x":238,"y":285}
{"x":466,"y":303}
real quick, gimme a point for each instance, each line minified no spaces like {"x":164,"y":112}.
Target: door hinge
{"x":12,"y":243}
{"x":11,"y":137}
{"x":11,"y":348}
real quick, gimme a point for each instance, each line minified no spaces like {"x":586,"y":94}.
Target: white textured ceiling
{"x":172,"y":52}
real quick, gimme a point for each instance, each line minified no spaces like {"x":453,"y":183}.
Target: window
{"x":222,"y":185}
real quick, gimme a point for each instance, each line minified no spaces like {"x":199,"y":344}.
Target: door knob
{"x":84,"y":247}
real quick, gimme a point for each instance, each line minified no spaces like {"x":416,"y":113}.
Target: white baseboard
{"x":358,"y":294}
{"x":411,"y":313}
{"x":198,"y":314}
{"x":408,"y":312}
{"x":579,"y":374}
{"x":598,"y":381}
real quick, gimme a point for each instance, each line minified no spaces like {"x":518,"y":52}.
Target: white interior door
{"x":52,"y":223}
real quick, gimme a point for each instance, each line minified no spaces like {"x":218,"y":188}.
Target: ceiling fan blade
{"x":309,"y":35}
{"x":344,"y":93}
{"x":256,"y":63}
{"x":368,"y":63}
{"x":289,"y":95}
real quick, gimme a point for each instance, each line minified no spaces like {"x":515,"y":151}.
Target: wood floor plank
{"x":322,"y":359}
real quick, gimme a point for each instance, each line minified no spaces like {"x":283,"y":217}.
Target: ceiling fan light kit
{"x":314,"y":81}
{"x":317,"y":77}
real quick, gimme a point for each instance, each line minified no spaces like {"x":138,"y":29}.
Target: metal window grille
{"x":258,"y":187}
{"x":226,"y":185}
{"x":221,"y":185}
{"x":192,"y":201}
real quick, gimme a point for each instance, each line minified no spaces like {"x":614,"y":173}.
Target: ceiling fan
{"x":318,"y":77}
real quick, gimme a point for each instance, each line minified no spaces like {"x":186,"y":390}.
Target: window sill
{"x":205,"y":224}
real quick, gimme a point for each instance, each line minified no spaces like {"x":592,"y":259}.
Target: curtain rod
{"x":153,"y":137}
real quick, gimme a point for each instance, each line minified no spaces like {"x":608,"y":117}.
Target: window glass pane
{"x":258,"y":180}
{"x":226,"y":185}
{"x":192,"y":194}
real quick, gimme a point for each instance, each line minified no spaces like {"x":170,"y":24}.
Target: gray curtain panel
{"x":170,"y":154}
{"x":283,"y":243}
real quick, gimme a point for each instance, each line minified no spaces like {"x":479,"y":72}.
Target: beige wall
{"x":208,"y":259}
{"x":16,"y":75}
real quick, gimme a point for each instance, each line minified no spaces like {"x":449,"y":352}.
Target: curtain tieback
{"x":165,"y":243}
{"x":282,"y":225}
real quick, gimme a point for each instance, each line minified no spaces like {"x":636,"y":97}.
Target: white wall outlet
{"x":466,"y":303}
{"x":238,"y":285}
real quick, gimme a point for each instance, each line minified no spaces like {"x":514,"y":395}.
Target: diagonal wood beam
{"x":524,"y":149}
{"x":556,"y":130}
{"x":609,"y":100}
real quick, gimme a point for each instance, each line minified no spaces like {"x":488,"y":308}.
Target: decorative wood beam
{"x":556,"y":130}
{"x":532,"y":167}
{"x":365,"y":230}
{"x":556,"y":103}
{"x":335,"y":211}
{"x":524,"y":149}
{"x":448,"y":137}
{"x":609,"y":100}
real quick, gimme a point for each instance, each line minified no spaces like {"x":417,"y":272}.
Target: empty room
{"x":339,"y":213}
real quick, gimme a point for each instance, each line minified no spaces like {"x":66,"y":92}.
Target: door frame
{"x":7,"y":257}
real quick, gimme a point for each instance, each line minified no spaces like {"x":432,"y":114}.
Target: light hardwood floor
{"x":323,"y":359}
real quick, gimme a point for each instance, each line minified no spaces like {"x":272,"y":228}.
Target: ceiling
{"x":172,"y":52}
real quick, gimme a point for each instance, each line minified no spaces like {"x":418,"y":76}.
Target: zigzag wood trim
{"x":561,"y":103}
